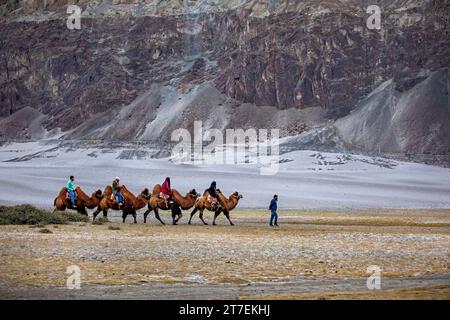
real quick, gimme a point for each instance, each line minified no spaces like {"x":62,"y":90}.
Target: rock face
{"x":109,"y":79}
{"x":393,"y":119}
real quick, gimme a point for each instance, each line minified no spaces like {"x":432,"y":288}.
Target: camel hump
{"x":200,"y":201}
{"x":79,"y":191}
{"x":63,"y":191}
{"x":156,"y":189}
{"x":107,"y":191}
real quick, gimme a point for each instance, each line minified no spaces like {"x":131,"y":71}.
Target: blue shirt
{"x":273,"y":205}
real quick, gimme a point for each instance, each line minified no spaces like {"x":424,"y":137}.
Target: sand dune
{"x":306,"y":179}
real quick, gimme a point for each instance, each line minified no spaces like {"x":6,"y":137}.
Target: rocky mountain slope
{"x":393,"y":120}
{"x":136,"y":70}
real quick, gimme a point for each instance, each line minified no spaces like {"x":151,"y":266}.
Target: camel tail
{"x":54,"y":202}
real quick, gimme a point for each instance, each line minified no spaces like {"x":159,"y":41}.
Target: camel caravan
{"x":163,"y":197}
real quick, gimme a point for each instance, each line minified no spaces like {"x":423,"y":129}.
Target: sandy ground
{"x":313,"y":255}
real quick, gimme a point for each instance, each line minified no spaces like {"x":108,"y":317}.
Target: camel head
{"x":194,"y":194}
{"x":237,"y":195}
{"x":98,"y":194}
{"x":145,"y":193}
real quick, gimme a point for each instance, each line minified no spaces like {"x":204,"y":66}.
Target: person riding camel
{"x":116,"y":191}
{"x":71,"y":189}
{"x":166,"y":192}
{"x":212,"y":196}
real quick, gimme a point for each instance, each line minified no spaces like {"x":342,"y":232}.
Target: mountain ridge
{"x":296,"y":65}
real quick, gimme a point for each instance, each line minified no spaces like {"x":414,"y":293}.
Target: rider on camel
{"x":212,"y":197}
{"x":71,"y":189}
{"x":116,"y":191}
{"x":166,"y":191}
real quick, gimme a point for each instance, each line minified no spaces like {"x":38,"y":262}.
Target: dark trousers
{"x":274,"y":216}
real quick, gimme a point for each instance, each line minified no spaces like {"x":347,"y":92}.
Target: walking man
{"x":273,"y":210}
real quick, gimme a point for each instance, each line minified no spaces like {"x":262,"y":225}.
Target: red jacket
{"x":165,"y":188}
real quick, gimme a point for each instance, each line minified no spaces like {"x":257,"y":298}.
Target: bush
{"x":73,"y":216}
{"x":100,"y":221}
{"x":113,"y":228}
{"x":45,"y":231}
{"x":27,"y":214}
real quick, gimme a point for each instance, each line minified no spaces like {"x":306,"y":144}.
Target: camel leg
{"x":216,"y":214}
{"x":83,"y":211}
{"x":201,"y":217}
{"x":176,"y":214}
{"x":124,"y":215}
{"x":192,"y":214}
{"x":157,"y":215}
{"x":134,"y":215}
{"x":179,"y":217}
{"x":97,"y":212}
{"x":146,"y":214}
{"x":227,"y":214}
{"x":105,"y":213}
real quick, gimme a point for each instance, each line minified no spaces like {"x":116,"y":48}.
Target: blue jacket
{"x":273,"y":205}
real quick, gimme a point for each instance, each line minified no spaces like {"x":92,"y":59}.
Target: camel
{"x":179,"y":203}
{"x":82,"y":200}
{"x":133,"y":203}
{"x":225,"y":205}
{"x":106,"y":203}
{"x":89,"y":202}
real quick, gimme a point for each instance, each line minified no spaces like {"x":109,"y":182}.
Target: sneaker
{"x":270,"y":225}
{"x":276,"y":225}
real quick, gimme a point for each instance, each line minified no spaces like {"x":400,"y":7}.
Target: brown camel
{"x":179,"y":203}
{"x":133,"y":203}
{"x":107,"y":203}
{"x":225,"y":205}
{"x":82,"y":200}
{"x":89,"y":202}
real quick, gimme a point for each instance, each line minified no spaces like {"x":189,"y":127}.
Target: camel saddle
{"x":113,"y":197}
{"x":213,"y":201}
{"x":166,"y":198}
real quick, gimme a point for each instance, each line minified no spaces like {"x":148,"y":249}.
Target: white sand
{"x":307,"y":182}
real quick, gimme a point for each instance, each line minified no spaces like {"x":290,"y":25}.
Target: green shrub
{"x":74,"y":216}
{"x":27,"y":214}
{"x":100,"y":221}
